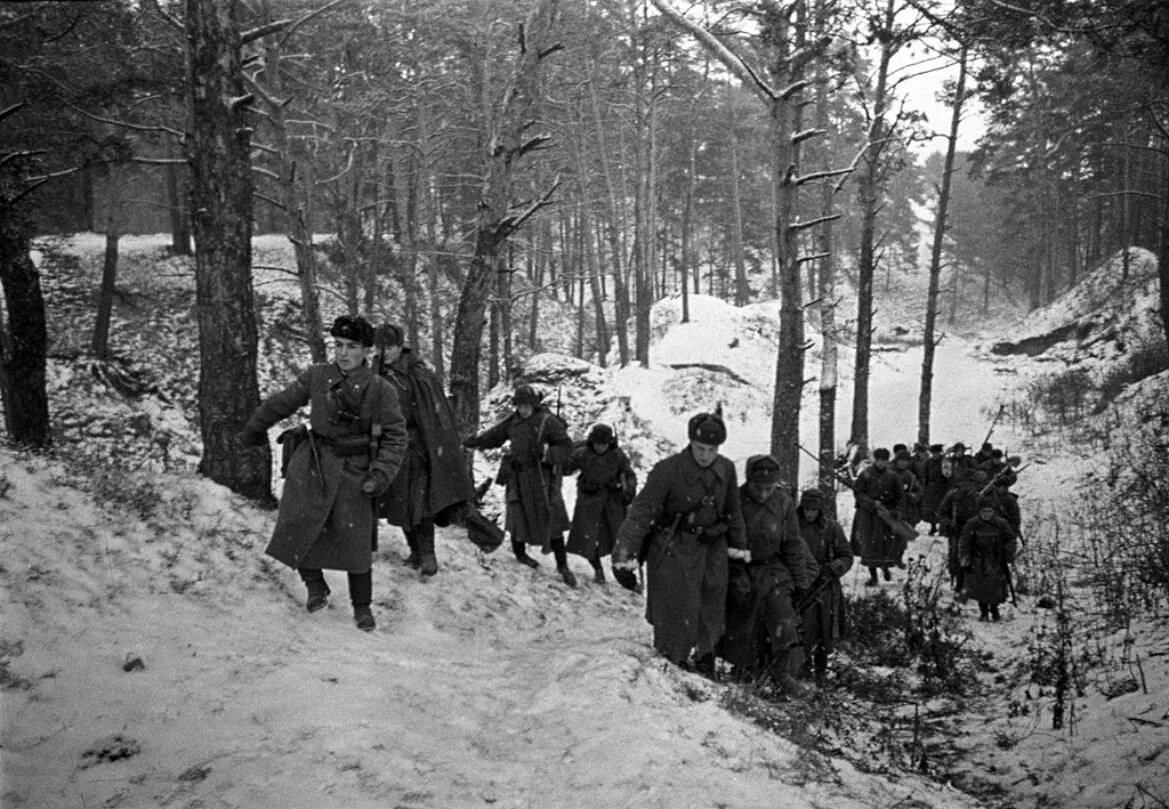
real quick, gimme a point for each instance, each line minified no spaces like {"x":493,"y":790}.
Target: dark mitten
{"x":375,"y":483}
{"x":253,"y":436}
{"x":627,"y":579}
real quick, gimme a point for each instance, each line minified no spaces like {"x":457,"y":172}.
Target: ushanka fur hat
{"x":353,"y":327}
{"x":707,"y":428}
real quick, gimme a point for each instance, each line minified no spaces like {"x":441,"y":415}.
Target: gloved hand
{"x":626,"y":576}
{"x":375,"y":483}
{"x":252,"y":436}
{"x":472,"y":442}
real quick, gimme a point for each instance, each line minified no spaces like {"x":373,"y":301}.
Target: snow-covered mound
{"x":1101,"y":321}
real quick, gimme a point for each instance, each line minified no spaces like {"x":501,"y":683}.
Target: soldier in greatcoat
{"x":433,"y":486}
{"x":876,"y":487}
{"x":762,"y":633}
{"x":934,"y":484}
{"x":538,"y":447}
{"x":605,"y":486}
{"x":685,"y":523}
{"x":958,"y":507}
{"x":824,"y":618}
{"x":911,"y":483}
{"x":986,"y":549}
{"x":357,"y":436}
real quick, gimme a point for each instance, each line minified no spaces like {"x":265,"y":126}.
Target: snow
{"x":491,"y":685}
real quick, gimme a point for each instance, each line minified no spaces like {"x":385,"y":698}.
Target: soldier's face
{"x":391,"y":353}
{"x":762,"y":491}
{"x":349,"y":354}
{"x":704,"y":454}
{"x":525,"y":410}
{"x":985,"y":512}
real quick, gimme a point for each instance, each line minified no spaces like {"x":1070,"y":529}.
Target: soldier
{"x":960,"y":464}
{"x":958,"y":507}
{"x":336,"y":470}
{"x":823,"y":618}
{"x":911,"y":508}
{"x":986,"y":549}
{"x":433,"y":486}
{"x":685,"y":523}
{"x":538,"y":445}
{"x":762,"y":633}
{"x":878,"y":488}
{"x":934,"y":487}
{"x":605,"y":487}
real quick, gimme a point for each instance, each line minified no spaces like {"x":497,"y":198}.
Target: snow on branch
{"x":720,"y":51}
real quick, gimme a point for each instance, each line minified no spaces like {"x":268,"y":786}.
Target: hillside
{"x":152,"y":656}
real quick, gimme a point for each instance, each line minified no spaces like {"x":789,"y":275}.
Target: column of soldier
{"x":743,"y":573}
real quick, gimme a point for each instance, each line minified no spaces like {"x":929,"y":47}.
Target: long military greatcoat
{"x":765,"y":624}
{"x":687,"y":568}
{"x":324,"y":520}
{"x":539,"y":445}
{"x":934,"y":486}
{"x":873,"y":540}
{"x":985,"y":549}
{"x":434,"y":476}
{"x":605,"y":483}
{"x":824,"y":619}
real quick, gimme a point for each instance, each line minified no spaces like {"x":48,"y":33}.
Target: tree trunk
{"x":870,"y":197}
{"x":742,"y":293}
{"x":105,"y":295}
{"x":180,"y":217}
{"x":787,"y":114}
{"x":23,"y":348}
{"x":507,"y":143}
{"x":929,"y":343}
{"x":221,"y":207}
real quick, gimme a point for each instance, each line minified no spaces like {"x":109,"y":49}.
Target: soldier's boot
{"x":318,"y":590}
{"x":521,"y":554}
{"x":994,"y":613}
{"x":872,"y":582}
{"x":412,"y":559}
{"x":361,"y":596}
{"x":561,"y":555}
{"x":983,"y":611}
{"x":424,"y":541}
{"x":598,"y":570}
{"x":885,"y":572}
{"x":781,"y":675}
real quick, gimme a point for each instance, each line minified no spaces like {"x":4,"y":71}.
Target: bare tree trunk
{"x":508,"y":142}
{"x":929,"y":341}
{"x":180,"y":217}
{"x":787,"y":115}
{"x":870,"y":192}
{"x":24,"y":345}
{"x":687,"y":227}
{"x":742,"y":293}
{"x":221,"y":183}
{"x":614,"y":230}
{"x":109,"y":279}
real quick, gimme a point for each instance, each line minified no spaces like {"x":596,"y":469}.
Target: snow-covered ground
{"x":151,"y":656}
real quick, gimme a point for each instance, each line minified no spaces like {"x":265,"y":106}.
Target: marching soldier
{"x":538,"y":445}
{"x":685,"y":523}
{"x":605,"y":487}
{"x":986,"y":549}
{"x":762,"y":632}
{"x":877,"y":487}
{"x":823,"y":617}
{"x":337,"y":469}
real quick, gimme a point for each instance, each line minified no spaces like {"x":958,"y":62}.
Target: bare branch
{"x":269,"y":200}
{"x":261,"y":31}
{"x":820,"y":175}
{"x":720,"y":51}
{"x":292,"y":28}
{"x":807,"y":134}
{"x":125,"y":124}
{"x":4,"y":113}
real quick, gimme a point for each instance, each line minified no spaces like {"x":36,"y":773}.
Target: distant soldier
{"x":960,"y":464}
{"x":824,"y":618}
{"x":911,"y":503}
{"x":878,"y":488}
{"x":337,"y":469}
{"x":958,"y":507}
{"x":986,"y":549}
{"x":538,"y":445}
{"x":934,"y":486}
{"x":998,"y":470}
{"x":605,"y":486}
{"x":762,"y":625}
{"x":920,"y":456}
{"x":433,"y":486}
{"x":685,"y":523}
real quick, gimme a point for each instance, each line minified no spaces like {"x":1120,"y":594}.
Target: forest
{"x":469,"y":166}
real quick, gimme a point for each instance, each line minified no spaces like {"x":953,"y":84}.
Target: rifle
{"x":993,"y":422}
{"x":990,"y":484}
{"x":1010,"y":584}
{"x":902,"y":529}
{"x":823,"y":582}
